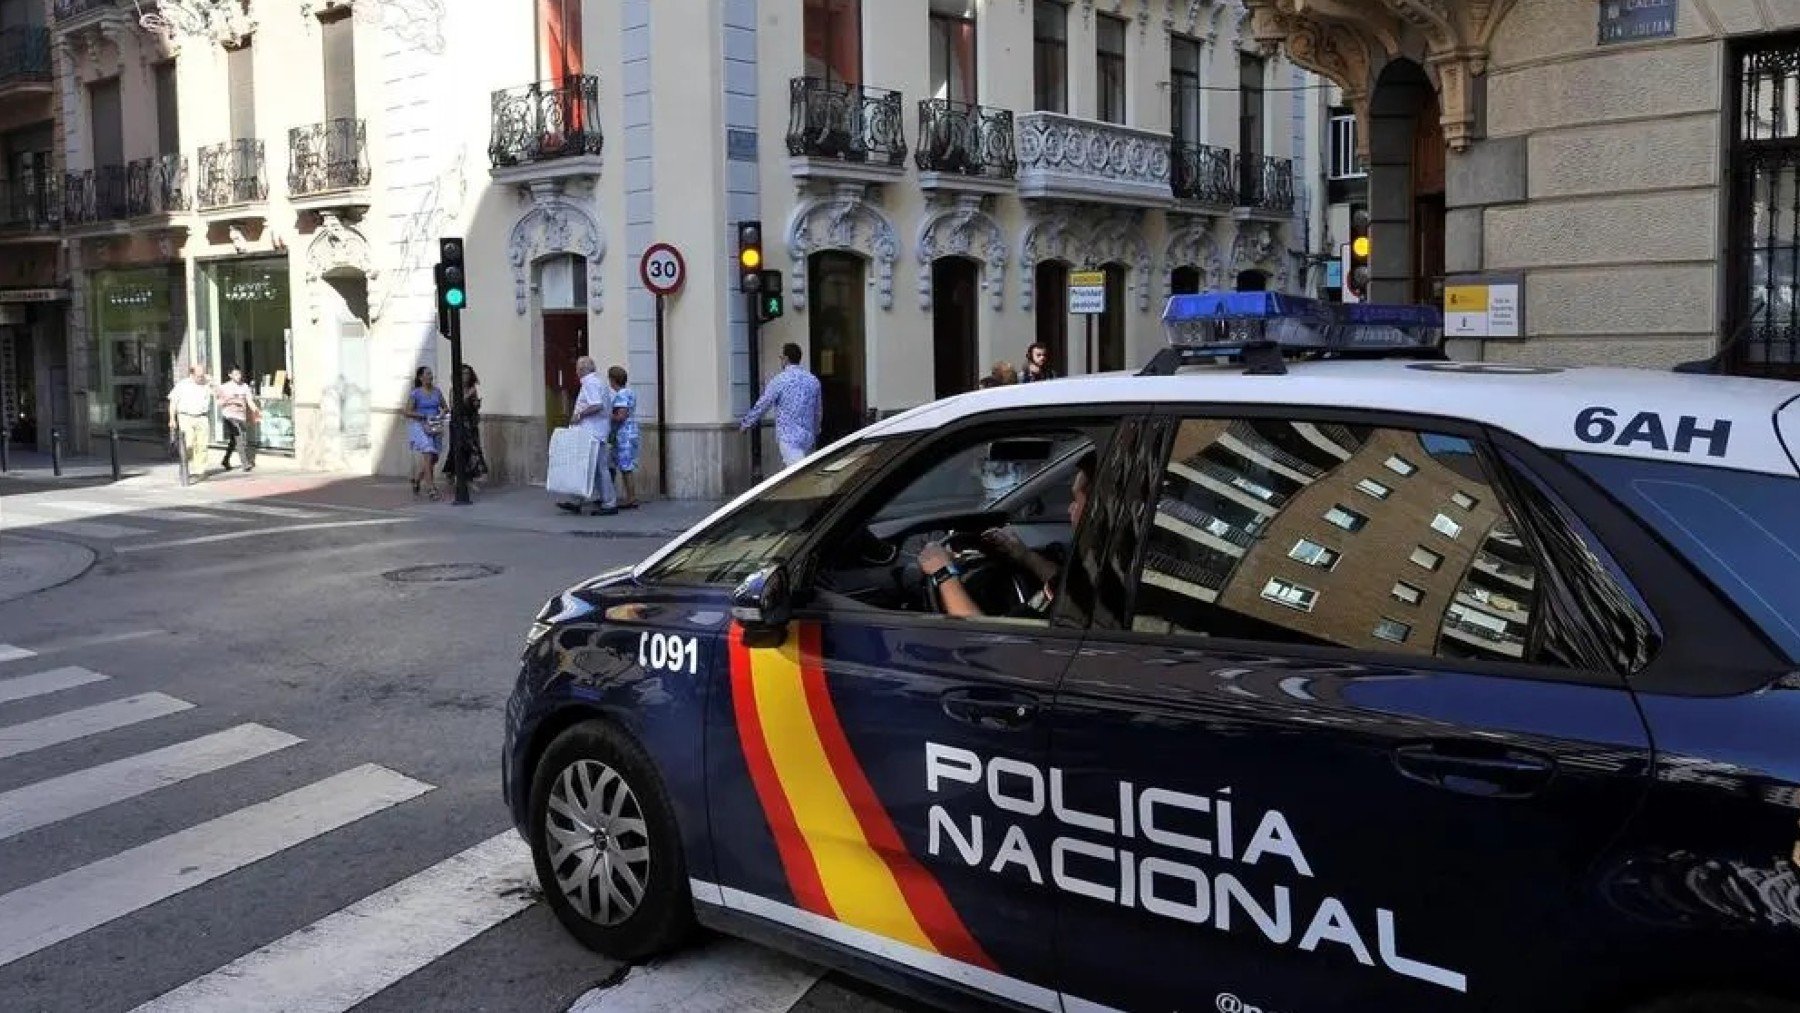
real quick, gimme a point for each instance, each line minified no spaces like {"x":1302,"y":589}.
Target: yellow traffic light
{"x":1359,"y":247}
{"x":750,"y":258}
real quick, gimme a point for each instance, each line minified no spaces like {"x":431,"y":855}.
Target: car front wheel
{"x":606,"y":845}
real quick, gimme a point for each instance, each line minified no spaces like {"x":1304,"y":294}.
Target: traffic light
{"x":1356,"y":275}
{"x":750,"y":256}
{"x":452,"y":280}
{"x":768,"y":298}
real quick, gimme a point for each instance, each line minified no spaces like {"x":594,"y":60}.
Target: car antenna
{"x":1715,"y":363}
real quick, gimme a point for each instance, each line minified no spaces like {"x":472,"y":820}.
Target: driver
{"x":940,"y":569}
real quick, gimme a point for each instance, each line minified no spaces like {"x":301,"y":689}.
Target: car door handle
{"x":1476,"y":769}
{"x":1004,"y":710}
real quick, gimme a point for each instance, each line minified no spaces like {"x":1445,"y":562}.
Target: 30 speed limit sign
{"x":662,"y":268}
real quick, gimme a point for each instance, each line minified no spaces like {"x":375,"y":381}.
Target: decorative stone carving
{"x":842,"y":219}
{"x":1255,"y":246}
{"x":963,"y":229}
{"x":1064,"y":156}
{"x":336,"y":248}
{"x":1193,"y":245}
{"x":227,"y":22}
{"x":555,"y":225}
{"x":434,"y":216}
{"x":1055,"y":234}
{"x":418,"y":23}
{"x":1119,"y":239}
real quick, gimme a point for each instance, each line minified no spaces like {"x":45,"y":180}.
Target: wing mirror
{"x":763,"y":605}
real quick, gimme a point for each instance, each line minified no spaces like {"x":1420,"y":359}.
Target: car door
{"x":899,"y":756}
{"x":1338,"y":753}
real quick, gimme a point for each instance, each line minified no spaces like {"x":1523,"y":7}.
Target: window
{"x":1184,"y":88}
{"x":1313,"y":554}
{"x":1445,"y":526}
{"x":1407,"y":593}
{"x":1400,"y":465}
{"x":953,"y":50}
{"x":1345,"y":162}
{"x":1292,"y":595}
{"x":1050,"y":56}
{"x":168,"y":109}
{"x":339,"y":50}
{"x":559,"y":39}
{"x":1109,"y":67}
{"x":1392,"y":630}
{"x":1373,"y":488}
{"x":1346,"y":518}
{"x":1251,"y":72}
{"x":1426,"y":558}
{"x":107,"y":123}
{"x":1464,"y":500}
{"x":833,"y":33}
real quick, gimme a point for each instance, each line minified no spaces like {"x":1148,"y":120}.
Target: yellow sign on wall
{"x":1488,"y":310}
{"x":1465,"y":298}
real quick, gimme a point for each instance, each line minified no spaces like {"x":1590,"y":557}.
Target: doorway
{"x":565,"y":340}
{"x":954,"y":324}
{"x":1184,"y":280}
{"x":1252,"y":281}
{"x":345,"y":403}
{"x":1407,"y":141}
{"x":838,"y":355}
{"x":1051,"y":281}
{"x":1110,"y":356}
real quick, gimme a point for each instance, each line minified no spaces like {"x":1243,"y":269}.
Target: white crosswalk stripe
{"x":264,"y":510}
{"x":97,"y":530}
{"x":56,"y":680}
{"x":79,"y":724}
{"x":187,"y":516}
{"x":10,"y":653}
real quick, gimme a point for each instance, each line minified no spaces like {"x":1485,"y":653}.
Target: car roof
{"x":1716,"y":421}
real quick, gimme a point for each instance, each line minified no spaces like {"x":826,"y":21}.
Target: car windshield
{"x":980,"y":477}
{"x":1740,"y":529}
{"x":765,"y":530}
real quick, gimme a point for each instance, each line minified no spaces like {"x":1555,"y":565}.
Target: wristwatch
{"x":948,"y":573}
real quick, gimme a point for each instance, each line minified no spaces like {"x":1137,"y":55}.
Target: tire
{"x":596,"y":773}
{"x":1717,"y":1002}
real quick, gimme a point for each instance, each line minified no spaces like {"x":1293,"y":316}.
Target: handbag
{"x":574,"y":460}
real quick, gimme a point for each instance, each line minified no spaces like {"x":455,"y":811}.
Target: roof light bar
{"x":1261,"y":328}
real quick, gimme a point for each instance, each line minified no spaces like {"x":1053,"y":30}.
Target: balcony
{"x":76,"y":13}
{"x":156,"y":186}
{"x":31,"y":206}
{"x":1203,"y":174}
{"x":1068,"y":158}
{"x":548,"y":130}
{"x":25,"y":60}
{"x":1266,"y":189}
{"x":231,"y":175}
{"x":94,"y":197}
{"x":965,"y":147}
{"x":328,"y":164}
{"x":844,"y":131}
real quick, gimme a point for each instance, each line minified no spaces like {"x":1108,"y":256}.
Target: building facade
{"x":34,"y":297}
{"x":1627,"y":169}
{"x":261,"y":185}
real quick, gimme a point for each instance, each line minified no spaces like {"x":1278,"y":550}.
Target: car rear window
{"x":1740,"y":529}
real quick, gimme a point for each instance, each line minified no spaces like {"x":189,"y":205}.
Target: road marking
{"x":54,"y":681}
{"x":60,"y":798}
{"x":95,"y":529}
{"x":232,"y":536}
{"x":260,"y":510}
{"x":729,"y":976}
{"x":187,"y":517}
{"x":350,"y":955}
{"x":84,"y":507}
{"x":36,"y":917}
{"x":79,"y":724}
{"x":10,"y":653}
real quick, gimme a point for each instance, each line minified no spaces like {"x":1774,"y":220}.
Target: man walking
{"x":799,"y":408}
{"x":593,"y":415}
{"x":237,"y":408}
{"x":190,"y":409}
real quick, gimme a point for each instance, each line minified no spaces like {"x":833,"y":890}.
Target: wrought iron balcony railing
{"x":546,"y":120}
{"x":95,"y":195}
{"x":24,"y":55}
{"x":848,"y":122}
{"x":969,"y":140}
{"x":1204,"y":173}
{"x":322,"y":157}
{"x":157,"y":186}
{"x":68,"y":10}
{"x":33,"y":202}
{"x":232,"y":173}
{"x":1267,"y":184}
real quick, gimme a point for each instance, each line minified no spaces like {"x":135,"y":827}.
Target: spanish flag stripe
{"x":924,"y":897}
{"x":861,"y":889}
{"x":796,"y":857}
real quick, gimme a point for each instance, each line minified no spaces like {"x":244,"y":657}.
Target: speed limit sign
{"x":662,"y":268}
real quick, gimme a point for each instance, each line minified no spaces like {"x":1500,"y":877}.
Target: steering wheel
{"x":970,"y":552}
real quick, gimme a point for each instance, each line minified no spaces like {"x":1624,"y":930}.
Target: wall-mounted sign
{"x":740,"y":145}
{"x":33,"y":295}
{"x":1636,"y":20}
{"x":1087,"y":292}
{"x":259,"y":290}
{"x":1483,"y":308}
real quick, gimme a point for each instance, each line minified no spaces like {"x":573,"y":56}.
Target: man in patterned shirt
{"x":799,"y":408}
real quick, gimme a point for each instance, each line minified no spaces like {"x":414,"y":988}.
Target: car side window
{"x":1378,"y":539}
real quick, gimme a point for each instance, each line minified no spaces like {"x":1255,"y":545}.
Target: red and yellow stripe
{"x":841,"y":853}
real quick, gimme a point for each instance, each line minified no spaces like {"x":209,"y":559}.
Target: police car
{"x":1306,"y":670}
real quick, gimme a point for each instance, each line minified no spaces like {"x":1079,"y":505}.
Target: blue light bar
{"x":1224,"y":323}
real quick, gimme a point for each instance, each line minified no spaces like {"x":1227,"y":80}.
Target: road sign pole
{"x":1090,"y":343}
{"x":662,"y":270}
{"x":756,"y":463}
{"x":458,"y":423}
{"x":662,"y":405}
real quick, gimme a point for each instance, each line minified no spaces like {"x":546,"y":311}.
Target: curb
{"x":49,"y":563}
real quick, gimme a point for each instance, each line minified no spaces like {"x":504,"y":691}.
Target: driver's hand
{"x":1006,"y":542}
{"x":932,"y":558}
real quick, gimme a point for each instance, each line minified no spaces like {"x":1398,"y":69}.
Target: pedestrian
{"x":1001,"y":375}
{"x":593,"y":413}
{"x":190,"y":419}
{"x":1037,"y":364}
{"x":626,"y":436}
{"x":238,"y":408}
{"x":469,"y":425}
{"x":799,"y":406}
{"x":425,"y":431}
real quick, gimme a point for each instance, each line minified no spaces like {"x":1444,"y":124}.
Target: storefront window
{"x":244,"y":317}
{"x":136,"y":316}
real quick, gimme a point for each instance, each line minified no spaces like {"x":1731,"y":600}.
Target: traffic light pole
{"x":458,"y":423}
{"x":755,"y":320}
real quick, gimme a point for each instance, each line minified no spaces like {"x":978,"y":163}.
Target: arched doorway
{"x":344,"y":403}
{"x":1407,"y":146}
{"x":836,"y":333}
{"x":1184,"y":280}
{"x":954,"y":324}
{"x":1110,"y":355}
{"x":1051,"y":282}
{"x":1252,"y":281}
{"x":563,"y":306}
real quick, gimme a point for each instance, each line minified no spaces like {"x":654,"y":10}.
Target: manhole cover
{"x":438,"y":573}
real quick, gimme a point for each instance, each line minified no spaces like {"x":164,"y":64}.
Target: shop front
{"x":135,"y":316}
{"x":244,"y":322}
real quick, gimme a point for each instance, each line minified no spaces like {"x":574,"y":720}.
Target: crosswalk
{"x":149,"y":520}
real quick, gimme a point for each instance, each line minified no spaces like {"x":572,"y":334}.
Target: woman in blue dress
{"x":625,"y":434}
{"x":425,"y":428}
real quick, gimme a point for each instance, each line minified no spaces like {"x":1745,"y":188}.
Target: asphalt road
{"x":354,"y":728}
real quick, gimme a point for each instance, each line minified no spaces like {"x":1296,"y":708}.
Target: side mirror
{"x":763,"y":603}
